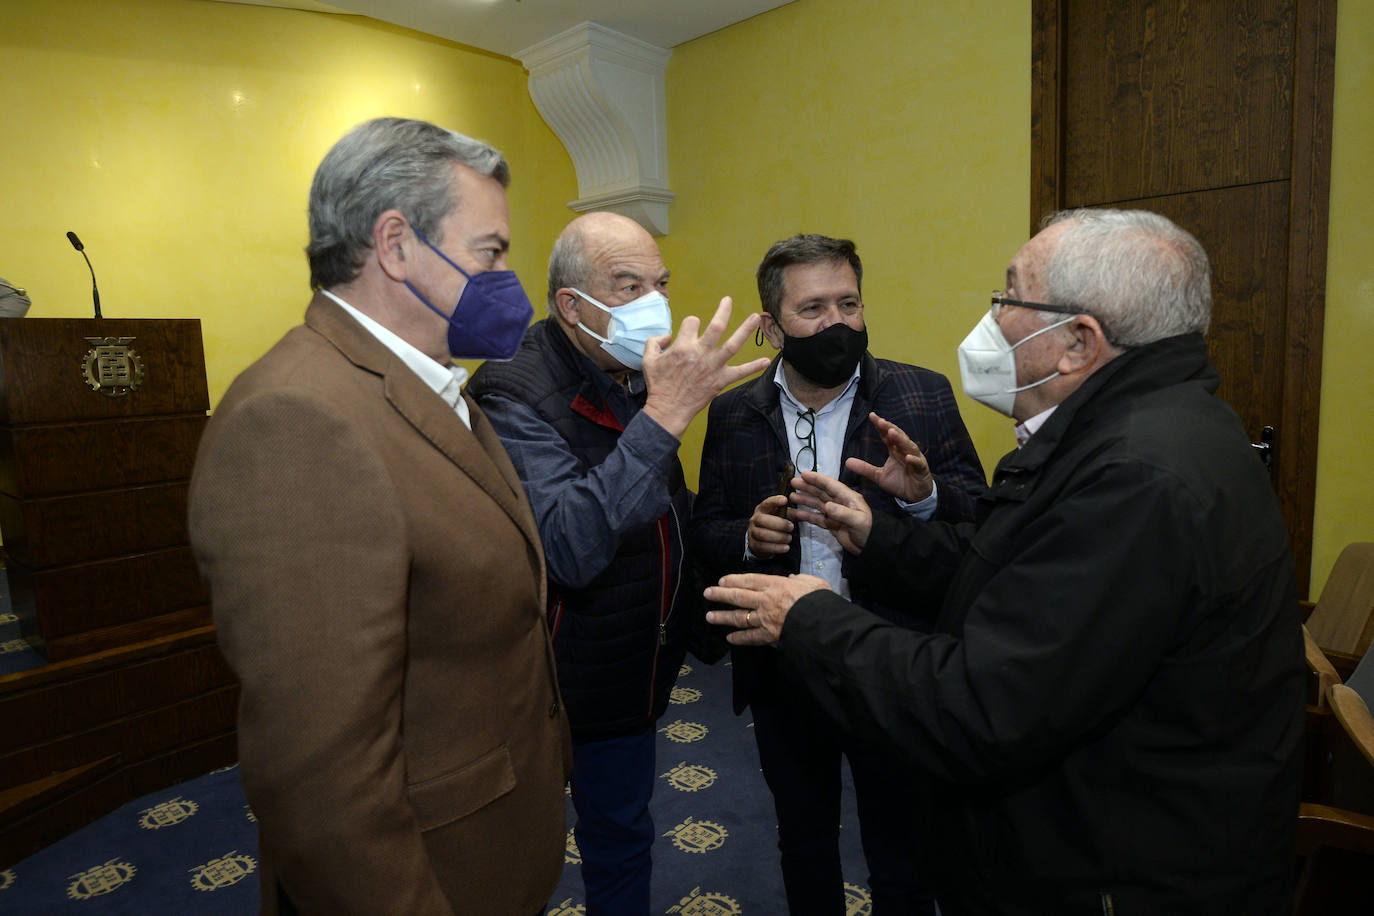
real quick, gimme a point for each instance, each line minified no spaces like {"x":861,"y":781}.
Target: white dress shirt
{"x":1025,"y":430}
{"x":446,"y":381}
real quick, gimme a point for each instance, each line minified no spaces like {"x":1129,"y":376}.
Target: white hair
{"x":1142,"y":276}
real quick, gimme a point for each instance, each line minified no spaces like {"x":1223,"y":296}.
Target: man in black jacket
{"x":1113,"y":695}
{"x":591,"y":411}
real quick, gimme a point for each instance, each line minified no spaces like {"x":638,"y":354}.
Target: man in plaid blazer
{"x":810,"y":410}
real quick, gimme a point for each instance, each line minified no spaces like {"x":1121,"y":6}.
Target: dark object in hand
{"x":785,"y":486}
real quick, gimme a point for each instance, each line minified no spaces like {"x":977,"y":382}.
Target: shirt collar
{"x":1025,"y":430}
{"x":445,"y":381}
{"x":780,"y":379}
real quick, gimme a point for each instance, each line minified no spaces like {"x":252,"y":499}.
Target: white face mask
{"x":632,"y":325}
{"x":987,"y":364}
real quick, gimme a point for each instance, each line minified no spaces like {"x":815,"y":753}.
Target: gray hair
{"x":380,"y":165}
{"x":1142,"y":276}
{"x":568,"y":264}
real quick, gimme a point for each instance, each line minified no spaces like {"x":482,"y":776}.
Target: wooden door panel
{"x":1217,"y":114}
{"x":1236,"y":226}
{"x":1164,"y":98}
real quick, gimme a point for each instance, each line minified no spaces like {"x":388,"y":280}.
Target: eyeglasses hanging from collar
{"x":804,"y":428}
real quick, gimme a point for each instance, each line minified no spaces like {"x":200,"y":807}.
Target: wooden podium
{"x":99,"y":423}
{"x":99,"y":420}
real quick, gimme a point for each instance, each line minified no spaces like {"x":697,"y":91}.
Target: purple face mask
{"x":491,"y":316}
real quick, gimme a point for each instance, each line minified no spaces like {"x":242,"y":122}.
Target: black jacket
{"x":1113,"y":697}
{"x":621,"y":638}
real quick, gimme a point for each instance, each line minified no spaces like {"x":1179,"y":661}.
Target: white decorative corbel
{"x":601,"y":92}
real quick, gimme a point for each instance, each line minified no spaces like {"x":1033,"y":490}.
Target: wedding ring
{"x":746,"y":620}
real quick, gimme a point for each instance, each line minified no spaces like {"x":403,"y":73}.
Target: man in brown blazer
{"x":375,"y":571}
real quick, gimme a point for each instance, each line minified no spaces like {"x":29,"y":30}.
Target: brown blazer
{"x":378,"y":586}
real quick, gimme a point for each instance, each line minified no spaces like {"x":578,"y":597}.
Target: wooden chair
{"x":1323,"y":673}
{"x":1321,"y":726}
{"x":1336,"y":834}
{"x":1342,"y":621}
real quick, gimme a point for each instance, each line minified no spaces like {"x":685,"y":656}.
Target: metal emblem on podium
{"x":112,"y":367}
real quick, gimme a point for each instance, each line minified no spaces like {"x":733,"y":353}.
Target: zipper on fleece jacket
{"x":667,"y":600}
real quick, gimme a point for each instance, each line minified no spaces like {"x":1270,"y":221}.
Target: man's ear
{"x":390,"y":234}
{"x":569,"y":306}
{"x":1088,"y":346}
{"x":772,"y":331}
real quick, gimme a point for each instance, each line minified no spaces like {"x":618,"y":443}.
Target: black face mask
{"x":828,"y":358}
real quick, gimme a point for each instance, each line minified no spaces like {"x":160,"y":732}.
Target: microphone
{"x":95,"y":292}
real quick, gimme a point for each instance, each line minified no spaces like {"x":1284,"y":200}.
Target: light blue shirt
{"x":821,"y":553}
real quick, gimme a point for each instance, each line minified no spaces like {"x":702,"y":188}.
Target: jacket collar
{"x":597,"y":385}
{"x":477,"y":452}
{"x":1110,"y":389}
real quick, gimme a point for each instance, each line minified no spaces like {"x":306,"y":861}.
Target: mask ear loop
{"x":1047,"y":378}
{"x":758,"y":336}
{"x":582,"y":325}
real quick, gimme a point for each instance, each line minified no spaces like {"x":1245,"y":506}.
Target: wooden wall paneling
{"x":92,"y":800}
{"x":78,"y":802}
{"x":66,"y":530}
{"x":17,"y":803}
{"x":1166,"y":98}
{"x":151,"y":714}
{"x":88,"y":641}
{"x":17,"y":683}
{"x":1047,"y":91}
{"x":1314,"y":93}
{"x":1141,"y":103}
{"x":133,"y":451}
{"x":104,"y":593}
{"x":85,"y":699}
{"x":130,"y":738}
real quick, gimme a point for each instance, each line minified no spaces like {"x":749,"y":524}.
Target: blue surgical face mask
{"x":632,"y":325}
{"x":491,"y":316}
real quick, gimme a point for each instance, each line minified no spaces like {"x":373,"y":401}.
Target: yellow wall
{"x":178,"y":139}
{"x":1345,"y":483}
{"x":903,"y":126}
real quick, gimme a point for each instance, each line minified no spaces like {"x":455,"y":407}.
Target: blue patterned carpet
{"x":192,"y":848}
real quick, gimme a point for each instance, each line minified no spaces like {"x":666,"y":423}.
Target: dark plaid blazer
{"x":746,"y":450}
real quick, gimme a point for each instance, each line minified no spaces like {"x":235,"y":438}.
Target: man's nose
{"x":831,"y":316}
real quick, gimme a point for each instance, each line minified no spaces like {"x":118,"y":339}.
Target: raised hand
{"x":683,"y":376}
{"x":834,"y":506}
{"x":906,"y":473}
